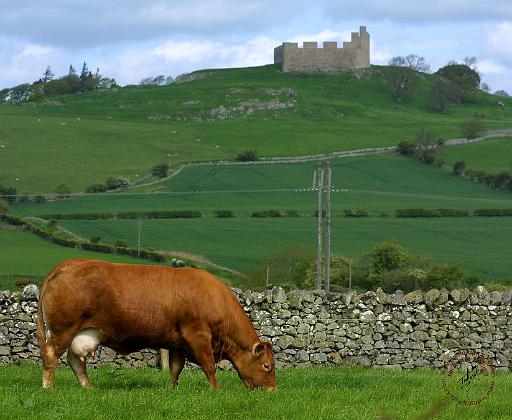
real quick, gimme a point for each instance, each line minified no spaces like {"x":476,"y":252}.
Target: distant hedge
{"x":493,"y":212}
{"x":72,"y":243}
{"x":356,"y":213}
{"x":158,"y":214}
{"x":267,"y":213}
{"x":224,"y":213}
{"x":431,"y":213}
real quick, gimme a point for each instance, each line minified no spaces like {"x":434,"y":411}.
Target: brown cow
{"x":126,"y":307}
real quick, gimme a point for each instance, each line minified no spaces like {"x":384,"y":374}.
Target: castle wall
{"x":353,"y":55}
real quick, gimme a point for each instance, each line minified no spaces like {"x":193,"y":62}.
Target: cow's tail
{"x":41,"y":330}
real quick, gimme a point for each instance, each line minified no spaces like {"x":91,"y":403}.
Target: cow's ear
{"x":258,"y":348}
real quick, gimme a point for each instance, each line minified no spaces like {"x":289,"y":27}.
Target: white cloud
{"x":499,"y":41}
{"x":488,"y":67}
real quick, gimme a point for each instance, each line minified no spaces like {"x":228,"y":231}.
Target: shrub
{"x":39,"y":198}
{"x":160,"y":170}
{"x":114,"y":183}
{"x":291,"y":213}
{"x":472,"y":128}
{"x":356,"y":213}
{"x":459,"y":167}
{"x":406,"y":148}
{"x":52,"y":224}
{"x":247,"y":156}
{"x":224,"y":213}
{"x":3,"y":206}
{"x":62,"y":189}
{"x":22,"y":282}
{"x":95,"y":239}
{"x":8,"y":193}
{"x":388,"y":255}
{"x":97,"y":187}
{"x":121,"y":243}
{"x":267,"y":213}
{"x":493,"y":212}
{"x":24,"y":198}
{"x":324,"y":213}
{"x":431,"y":213}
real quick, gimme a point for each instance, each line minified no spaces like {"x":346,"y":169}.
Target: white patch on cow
{"x":85,"y":342}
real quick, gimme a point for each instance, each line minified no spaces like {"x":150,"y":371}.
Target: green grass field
{"x":82,"y":139}
{"x":323,"y":393}
{"x":24,"y":254}
{"x":491,"y":155}
{"x":379,"y":184}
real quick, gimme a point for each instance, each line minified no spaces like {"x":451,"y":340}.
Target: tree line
{"x":48,"y":85}
{"x":453,"y":84}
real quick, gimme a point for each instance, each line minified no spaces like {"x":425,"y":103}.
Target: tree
{"x":159,"y":80}
{"x":459,"y":167}
{"x":464,"y":81}
{"x":502,"y":92}
{"x":113,"y":183}
{"x":8,"y":194}
{"x":3,"y":206}
{"x":98,"y":187}
{"x":62,"y":190}
{"x":402,"y":74}
{"x":85,"y":73}
{"x":160,"y":170}
{"x":472,"y":128}
{"x":248,"y":156}
{"x":95,"y":239}
{"x":169,"y":80}
{"x":71,"y":71}
{"x":471,"y":62}
{"x":387,"y":256}
{"x":484,"y":87}
{"x":48,"y":75}
{"x":417,"y":63}
{"x":426,"y":146}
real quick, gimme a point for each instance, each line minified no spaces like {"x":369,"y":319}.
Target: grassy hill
{"x":82,"y":139}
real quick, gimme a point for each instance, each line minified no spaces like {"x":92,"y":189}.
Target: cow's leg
{"x":77,"y":364}
{"x":176,"y":363}
{"x":54,"y":348}
{"x":200,"y":342}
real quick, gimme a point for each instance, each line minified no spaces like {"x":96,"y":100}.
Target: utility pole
{"x":320,"y":179}
{"x":328,"y":230}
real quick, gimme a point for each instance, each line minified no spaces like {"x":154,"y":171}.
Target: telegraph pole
{"x":328,"y":230}
{"x":320,"y":179}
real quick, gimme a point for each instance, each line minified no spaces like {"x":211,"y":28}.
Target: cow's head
{"x":256,"y":368}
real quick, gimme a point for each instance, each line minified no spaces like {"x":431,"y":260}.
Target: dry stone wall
{"x":313,"y":328}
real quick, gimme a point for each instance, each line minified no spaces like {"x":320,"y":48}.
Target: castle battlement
{"x":353,"y":54}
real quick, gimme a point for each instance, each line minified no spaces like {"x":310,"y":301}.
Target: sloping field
{"x":491,"y":155}
{"x":23,"y":253}
{"x":83,"y":139}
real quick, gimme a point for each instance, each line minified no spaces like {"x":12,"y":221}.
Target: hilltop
{"x":215,"y":114}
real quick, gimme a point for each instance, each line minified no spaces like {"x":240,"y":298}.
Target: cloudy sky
{"x":130,"y":40}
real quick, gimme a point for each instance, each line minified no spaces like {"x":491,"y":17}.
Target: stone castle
{"x":353,"y":55}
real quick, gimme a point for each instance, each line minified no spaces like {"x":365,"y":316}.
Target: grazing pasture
{"x":323,"y":393}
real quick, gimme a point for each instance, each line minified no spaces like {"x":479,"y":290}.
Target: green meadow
{"x":491,"y":155}
{"x":379,"y":184}
{"x":321,"y":393}
{"x":83,"y":139}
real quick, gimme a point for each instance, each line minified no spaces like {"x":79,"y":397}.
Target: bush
{"x":62,"y":190}
{"x":121,"y":243}
{"x":431,"y":213}
{"x":22,"y":282}
{"x":406,"y":148}
{"x":158,"y":214}
{"x":247,"y":156}
{"x":98,"y":187}
{"x":24,"y":198}
{"x":459,"y":167}
{"x":267,"y":213}
{"x":8,"y":193}
{"x":224,"y":213}
{"x":324,"y":213}
{"x":95,"y":239}
{"x":52,"y":224}
{"x":493,"y":212}
{"x":160,"y":170}
{"x":291,"y":213}
{"x":114,"y":183}
{"x":472,"y":128}
{"x":39,"y":198}
{"x":3,"y":206}
{"x":387,"y":256}
{"x":356,"y":213}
